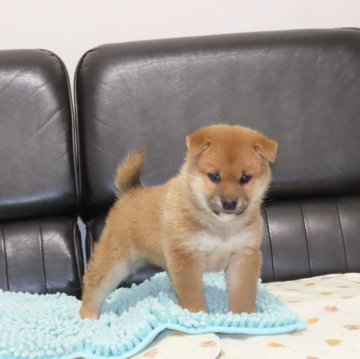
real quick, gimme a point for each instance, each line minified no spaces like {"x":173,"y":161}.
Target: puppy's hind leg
{"x":108,"y":266}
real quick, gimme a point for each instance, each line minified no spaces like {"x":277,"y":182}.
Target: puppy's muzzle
{"x":228,"y":204}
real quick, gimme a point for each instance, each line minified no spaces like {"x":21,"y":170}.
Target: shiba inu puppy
{"x":207,"y":218}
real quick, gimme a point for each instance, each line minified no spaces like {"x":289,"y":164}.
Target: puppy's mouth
{"x":217,"y":210}
{"x":236,"y":213}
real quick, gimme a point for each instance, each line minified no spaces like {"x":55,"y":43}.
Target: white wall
{"x":70,"y":27}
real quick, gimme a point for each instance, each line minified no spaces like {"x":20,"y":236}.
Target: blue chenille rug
{"x":49,"y":326}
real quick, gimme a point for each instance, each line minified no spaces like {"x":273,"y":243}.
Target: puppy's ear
{"x":266,"y":148}
{"x":197,"y":142}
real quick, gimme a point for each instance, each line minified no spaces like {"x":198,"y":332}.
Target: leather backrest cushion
{"x":298,"y":87}
{"x":36,"y":153}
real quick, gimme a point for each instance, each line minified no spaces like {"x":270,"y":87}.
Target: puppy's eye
{"x":245,"y":179}
{"x":214,"y":177}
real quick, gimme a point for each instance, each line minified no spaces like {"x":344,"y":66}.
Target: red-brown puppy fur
{"x":184,"y":226}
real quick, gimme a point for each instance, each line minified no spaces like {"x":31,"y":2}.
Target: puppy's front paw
{"x":195,"y":308}
{"x":242,"y":308}
{"x":86,"y":313}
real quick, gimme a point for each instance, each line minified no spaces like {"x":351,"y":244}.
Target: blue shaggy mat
{"x":49,"y":326}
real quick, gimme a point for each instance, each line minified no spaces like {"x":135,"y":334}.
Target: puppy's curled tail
{"x":129,"y":172}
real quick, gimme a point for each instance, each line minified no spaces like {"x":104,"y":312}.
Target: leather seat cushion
{"x":41,"y":255}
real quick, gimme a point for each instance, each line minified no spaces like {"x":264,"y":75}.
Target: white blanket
{"x":329,"y":304}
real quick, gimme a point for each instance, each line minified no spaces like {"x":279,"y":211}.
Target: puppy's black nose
{"x":228,"y":204}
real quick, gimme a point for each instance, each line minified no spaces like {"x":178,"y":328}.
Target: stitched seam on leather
{"x":342,"y":236}
{"x":76,"y":250}
{"x":73,"y":128}
{"x":270,"y":242}
{"x":75,"y":142}
{"x":5,"y":258}
{"x":42,"y":257}
{"x":308,"y":247}
{"x":80,"y":144}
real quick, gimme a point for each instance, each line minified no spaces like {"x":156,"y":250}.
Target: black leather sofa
{"x":299,"y":87}
{"x":40,"y":248}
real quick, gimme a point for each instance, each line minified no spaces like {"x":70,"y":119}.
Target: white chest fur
{"x":216,"y":250}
